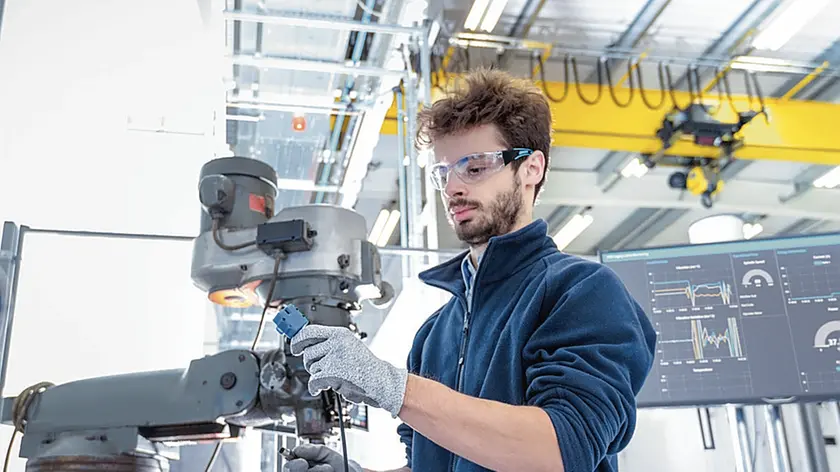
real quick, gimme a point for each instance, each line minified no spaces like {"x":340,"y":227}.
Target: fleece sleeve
{"x":413,"y":365}
{"x":586,"y":362}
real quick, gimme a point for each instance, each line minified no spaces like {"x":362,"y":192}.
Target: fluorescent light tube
{"x":752,"y":230}
{"x":390,"y":225}
{"x":493,"y":14}
{"x":634,"y":168}
{"x":790,"y":21}
{"x":378,"y":226}
{"x":434,"y":31}
{"x":572,"y":230}
{"x":475,"y":14}
{"x":830,"y":179}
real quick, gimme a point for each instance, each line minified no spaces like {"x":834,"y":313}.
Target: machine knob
{"x":216,"y":194}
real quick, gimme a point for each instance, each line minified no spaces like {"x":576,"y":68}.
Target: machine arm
{"x":142,"y":415}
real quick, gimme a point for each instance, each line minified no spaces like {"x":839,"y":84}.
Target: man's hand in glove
{"x":335,"y":358}
{"x":316,"y":458}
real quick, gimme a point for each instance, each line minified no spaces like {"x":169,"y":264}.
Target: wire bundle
{"x":20,"y":410}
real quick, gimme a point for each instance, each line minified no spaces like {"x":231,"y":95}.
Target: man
{"x":534,"y":363}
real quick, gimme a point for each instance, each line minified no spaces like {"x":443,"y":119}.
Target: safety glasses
{"x":476,"y":167}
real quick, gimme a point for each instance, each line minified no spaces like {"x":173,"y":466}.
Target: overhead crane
{"x":699,"y":130}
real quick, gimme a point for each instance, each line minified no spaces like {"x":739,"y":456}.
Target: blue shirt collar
{"x":527,"y":244}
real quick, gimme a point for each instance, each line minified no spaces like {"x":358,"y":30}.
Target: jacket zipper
{"x":459,"y":378}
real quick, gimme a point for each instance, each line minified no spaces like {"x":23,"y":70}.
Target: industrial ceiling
{"x":295,"y":102}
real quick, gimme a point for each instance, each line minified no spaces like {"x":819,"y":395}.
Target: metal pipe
{"x":740,"y":439}
{"x":495,"y":42}
{"x":805,"y":81}
{"x":325,"y":110}
{"x":815,"y":455}
{"x":308,"y":21}
{"x":776,"y":438}
{"x":407,"y":251}
{"x":11,"y":243}
{"x":108,"y":234}
{"x":431,"y":194}
{"x":403,"y":189}
{"x":415,"y":202}
{"x":312,"y":65}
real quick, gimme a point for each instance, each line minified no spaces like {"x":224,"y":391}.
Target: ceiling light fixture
{"x":787,"y":23}
{"x":571,"y":230}
{"x":476,"y":14}
{"x":830,"y":179}
{"x":752,"y":230}
{"x":634,"y":168}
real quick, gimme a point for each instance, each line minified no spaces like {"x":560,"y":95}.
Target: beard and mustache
{"x":493,"y":219}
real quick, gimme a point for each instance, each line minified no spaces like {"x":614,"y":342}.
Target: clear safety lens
{"x":471,"y":169}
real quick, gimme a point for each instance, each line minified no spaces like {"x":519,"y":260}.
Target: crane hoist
{"x":699,"y":175}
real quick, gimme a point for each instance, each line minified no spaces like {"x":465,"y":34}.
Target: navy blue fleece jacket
{"x":545,"y":329}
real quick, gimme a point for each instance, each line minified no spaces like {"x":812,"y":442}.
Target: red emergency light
{"x":298,"y":123}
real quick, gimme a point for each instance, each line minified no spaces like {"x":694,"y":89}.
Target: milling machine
{"x":315,"y":257}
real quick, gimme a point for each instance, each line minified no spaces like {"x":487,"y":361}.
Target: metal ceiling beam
{"x":641,"y":24}
{"x":312,"y":65}
{"x":657,"y":224}
{"x":529,"y":14}
{"x":804,"y":182}
{"x":609,"y":169}
{"x":746,"y":23}
{"x":319,"y":22}
{"x":802,"y":226}
{"x":811,"y":90}
{"x":651,"y":191}
{"x":637,"y":30}
{"x":625,"y":230}
{"x":2,"y":8}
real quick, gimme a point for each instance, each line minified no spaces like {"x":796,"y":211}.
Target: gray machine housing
{"x":314,"y":256}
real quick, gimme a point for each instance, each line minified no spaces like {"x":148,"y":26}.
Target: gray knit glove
{"x":335,"y":358}
{"x":316,"y":458}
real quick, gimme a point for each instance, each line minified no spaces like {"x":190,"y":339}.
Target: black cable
{"x":217,"y":238}
{"x":760,"y":95}
{"x":213,"y":456}
{"x":719,"y":73}
{"x":748,"y":87}
{"x":660,"y":70}
{"x":672,"y":89}
{"x":275,"y":274}
{"x":611,"y":86}
{"x":577,"y":83}
{"x":341,"y":429}
{"x":542,"y":78}
{"x":692,"y":96}
{"x":696,"y":72}
{"x":728,"y":89}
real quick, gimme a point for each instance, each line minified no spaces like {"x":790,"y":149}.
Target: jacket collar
{"x":504,"y":256}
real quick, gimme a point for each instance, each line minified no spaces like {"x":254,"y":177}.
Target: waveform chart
{"x":716,"y":342}
{"x":691,"y":285}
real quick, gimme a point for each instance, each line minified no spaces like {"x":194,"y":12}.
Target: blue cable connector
{"x":290,"y":321}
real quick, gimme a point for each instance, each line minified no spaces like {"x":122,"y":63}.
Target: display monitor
{"x":739,"y":322}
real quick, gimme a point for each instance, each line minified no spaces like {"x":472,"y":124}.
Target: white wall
{"x":79,"y":80}
{"x":82,"y":84}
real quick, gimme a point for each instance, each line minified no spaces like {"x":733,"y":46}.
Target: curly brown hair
{"x":516,"y":107}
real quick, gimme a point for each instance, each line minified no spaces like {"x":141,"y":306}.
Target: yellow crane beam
{"x":799,"y":131}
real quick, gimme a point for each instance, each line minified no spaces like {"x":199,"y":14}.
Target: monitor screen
{"x":739,"y":322}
